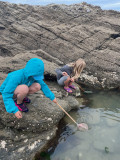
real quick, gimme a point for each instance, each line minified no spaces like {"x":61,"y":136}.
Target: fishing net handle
{"x":68,"y":114}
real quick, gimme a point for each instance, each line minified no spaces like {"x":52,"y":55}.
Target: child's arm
{"x":18,"y":114}
{"x":64,"y":73}
{"x":7,"y":95}
{"x":46,"y":90}
{"x":55,"y":101}
{"x":72,"y":79}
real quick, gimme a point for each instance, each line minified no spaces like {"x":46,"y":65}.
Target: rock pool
{"x":102,"y":114}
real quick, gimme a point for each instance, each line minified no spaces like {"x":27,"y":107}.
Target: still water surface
{"x":101,"y":141}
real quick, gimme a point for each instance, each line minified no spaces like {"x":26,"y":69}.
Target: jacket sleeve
{"x":47,"y":92}
{"x":7,"y":95}
{"x":3,"y":85}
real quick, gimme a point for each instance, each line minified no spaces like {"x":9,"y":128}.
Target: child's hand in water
{"x":64,"y":73}
{"x":18,"y":114}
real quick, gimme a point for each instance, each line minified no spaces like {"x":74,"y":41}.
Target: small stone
{"x":49,"y":119}
{"x":106,"y":149}
{"x":48,"y":137}
{"x":80,"y":155}
{"x":3,"y":144}
{"x":25,"y":140}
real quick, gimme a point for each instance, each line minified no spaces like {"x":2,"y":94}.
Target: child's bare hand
{"x":55,"y":101}
{"x":64,"y":73}
{"x":18,"y":114}
{"x":72,"y":79}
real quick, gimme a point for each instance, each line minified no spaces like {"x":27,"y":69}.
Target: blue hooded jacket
{"x":34,"y":67}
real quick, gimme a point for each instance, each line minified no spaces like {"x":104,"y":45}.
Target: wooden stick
{"x":80,"y":126}
{"x":67,"y":114}
{"x":80,"y":87}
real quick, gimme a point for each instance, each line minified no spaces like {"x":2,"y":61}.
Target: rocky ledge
{"x":22,"y":138}
{"x":66,"y":33}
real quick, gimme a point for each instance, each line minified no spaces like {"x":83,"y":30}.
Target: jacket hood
{"x":34,"y":67}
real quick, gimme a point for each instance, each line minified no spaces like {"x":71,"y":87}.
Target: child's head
{"x":78,"y":66}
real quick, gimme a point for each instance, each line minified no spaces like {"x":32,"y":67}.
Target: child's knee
{"x":21,"y":89}
{"x":68,"y":79}
{"x":37,"y":87}
{"x":24,"y":89}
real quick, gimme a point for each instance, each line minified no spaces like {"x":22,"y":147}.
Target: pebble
{"x":48,"y":138}
{"x":3,"y":144}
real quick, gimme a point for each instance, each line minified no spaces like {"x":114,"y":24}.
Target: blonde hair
{"x":78,"y":67}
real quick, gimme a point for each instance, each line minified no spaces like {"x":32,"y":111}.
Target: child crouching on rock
{"x":23,"y":82}
{"x":69,"y":73}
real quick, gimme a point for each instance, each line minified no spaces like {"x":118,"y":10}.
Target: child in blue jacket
{"x":20,"y":83}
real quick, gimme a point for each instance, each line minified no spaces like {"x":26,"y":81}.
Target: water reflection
{"x":101,"y":141}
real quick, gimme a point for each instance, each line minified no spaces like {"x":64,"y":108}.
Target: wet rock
{"x":94,"y":117}
{"x":111,"y":122}
{"x":100,"y":146}
{"x":106,"y":136}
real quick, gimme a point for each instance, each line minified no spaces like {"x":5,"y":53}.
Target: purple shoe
{"x":26,"y":100}
{"x":22,"y":107}
{"x":72,"y":86}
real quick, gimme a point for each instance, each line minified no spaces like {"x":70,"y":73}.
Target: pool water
{"x":102,"y":141}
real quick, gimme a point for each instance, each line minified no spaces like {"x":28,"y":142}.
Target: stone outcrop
{"x":57,"y":34}
{"x":66,"y":33}
{"x":22,"y":138}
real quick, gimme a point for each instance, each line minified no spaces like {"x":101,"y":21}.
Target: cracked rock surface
{"x":65,"y":32}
